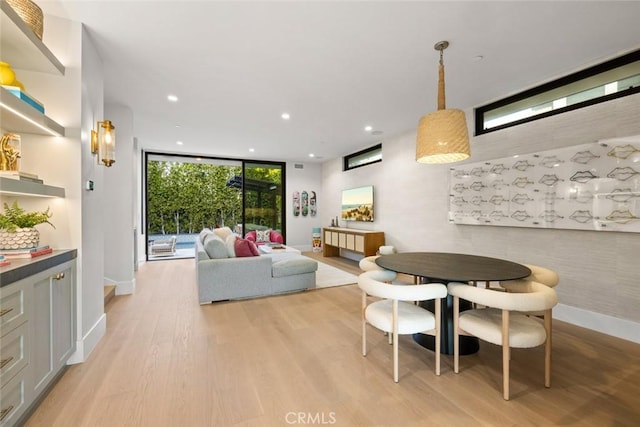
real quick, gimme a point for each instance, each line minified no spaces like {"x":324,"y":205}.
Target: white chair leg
{"x":547,"y":349}
{"x":505,"y":354}
{"x":364,"y":324}
{"x":395,"y":340}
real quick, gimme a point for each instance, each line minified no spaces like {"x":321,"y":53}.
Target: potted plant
{"x":17,"y":227}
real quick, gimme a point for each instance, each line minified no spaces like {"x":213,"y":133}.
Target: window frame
{"x":620,"y":61}
{"x":348,"y":157}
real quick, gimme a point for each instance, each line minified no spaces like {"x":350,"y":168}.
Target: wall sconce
{"x":103,"y":143}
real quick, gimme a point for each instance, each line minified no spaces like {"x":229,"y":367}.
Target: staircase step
{"x":109,"y":293}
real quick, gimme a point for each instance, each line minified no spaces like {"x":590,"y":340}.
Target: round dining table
{"x":444,"y":267}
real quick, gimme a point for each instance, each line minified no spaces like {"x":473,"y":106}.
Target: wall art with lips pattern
{"x":592,"y":186}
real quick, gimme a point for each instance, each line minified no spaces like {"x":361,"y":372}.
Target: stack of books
{"x":22,"y":176}
{"x":9,"y":254}
{"x":4,"y":261}
{"x":24,"y":96}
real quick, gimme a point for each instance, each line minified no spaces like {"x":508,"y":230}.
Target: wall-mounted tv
{"x":357,"y":204}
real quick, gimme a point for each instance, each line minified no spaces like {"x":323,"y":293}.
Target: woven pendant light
{"x":442,"y":135}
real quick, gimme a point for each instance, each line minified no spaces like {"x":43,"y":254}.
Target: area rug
{"x":328,"y":276}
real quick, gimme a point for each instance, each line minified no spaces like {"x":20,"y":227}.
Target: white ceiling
{"x":334,"y":66}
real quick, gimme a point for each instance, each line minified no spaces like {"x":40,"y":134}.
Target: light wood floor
{"x":295,"y":359}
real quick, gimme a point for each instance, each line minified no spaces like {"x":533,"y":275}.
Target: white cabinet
{"x":14,"y":351}
{"x":37,"y":334}
{"x":52,"y":327}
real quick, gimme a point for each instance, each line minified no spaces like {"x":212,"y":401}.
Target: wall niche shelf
{"x":15,"y":187}
{"x":21,"y":48}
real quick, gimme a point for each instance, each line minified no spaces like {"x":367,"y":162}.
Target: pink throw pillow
{"x":276,"y":237}
{"x":245,"y":248}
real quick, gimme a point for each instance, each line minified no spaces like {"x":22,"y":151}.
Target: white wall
{"x":306,"y":179}
{"x":599,"y":276}
{"x":91,"y":251}
{"x":120,"y":188}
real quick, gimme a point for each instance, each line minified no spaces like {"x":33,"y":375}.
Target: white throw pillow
{"x":230,"y":243}
{"x":223,"y":232}
{"x":204,"y":233}
{"x":263,"y":236}
{"x":215,"y":247}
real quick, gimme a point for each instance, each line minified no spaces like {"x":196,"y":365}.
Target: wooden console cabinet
{"x":359,"y":241}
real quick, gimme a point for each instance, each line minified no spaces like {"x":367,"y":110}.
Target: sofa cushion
{"x":245,"y":248}
{"x":230,"y":243}
{"x":223,"y":232}
{"x":204,"y":233}
{"x":295,"y":265}
{"x":215,"y":247}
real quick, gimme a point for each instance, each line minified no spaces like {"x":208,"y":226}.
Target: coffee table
{"x":279,"y":252}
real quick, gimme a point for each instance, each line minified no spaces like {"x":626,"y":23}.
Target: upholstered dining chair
{"x":500,"y":321}
{"x":394,"y":315}
{"x":369,"y":263}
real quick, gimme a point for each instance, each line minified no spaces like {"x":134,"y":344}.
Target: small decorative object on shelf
{"x":17,"y":227}
{"x":7,"y":75}
{"x":30,"y":13}
{"x":26,"y":253}
{"x":17,"y":90}
{"x":9,"y":152}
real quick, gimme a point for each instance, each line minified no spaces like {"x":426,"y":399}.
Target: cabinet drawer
{"x":11,"y":307}
{"x":14,"y":353}
{"x":342,"y":240}
{"x":327,"y":238}
{"x":360,"y":244}
{"x":351,"y":242}
{"x":12,"y":404}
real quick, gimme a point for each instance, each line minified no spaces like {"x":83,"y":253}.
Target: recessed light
{"x":477,"y":58}
{"x":286,"y":116}
{"x":179,"y":142}
{"x":251,"y":150}
{"x":172,"y":98}
{"x":368,"y":128}
{"x":311,"y":155}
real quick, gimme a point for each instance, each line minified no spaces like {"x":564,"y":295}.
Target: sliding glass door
{"x":185,"y":194}
{"x":264,"y":196}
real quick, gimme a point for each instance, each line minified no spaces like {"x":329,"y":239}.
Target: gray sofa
{"x":221,"y":277}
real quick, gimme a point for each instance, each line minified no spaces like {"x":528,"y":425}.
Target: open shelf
{"x":18,"y":116}
{"x":21,"y":48}
{"x":15,"y":187}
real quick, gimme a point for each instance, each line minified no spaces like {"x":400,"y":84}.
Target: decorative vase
{"x":7,"y":76}
{"x":22,"y":238}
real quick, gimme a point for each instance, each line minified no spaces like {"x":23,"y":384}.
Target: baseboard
{"x":85,"y":346}
{"x":609,"y":325}
{"x":122,"y":288}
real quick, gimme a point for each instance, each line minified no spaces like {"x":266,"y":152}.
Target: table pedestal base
{"x":468,"y":345}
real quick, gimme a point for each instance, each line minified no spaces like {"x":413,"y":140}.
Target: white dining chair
{"x":394,"y":315}
{"x":501,"y":322}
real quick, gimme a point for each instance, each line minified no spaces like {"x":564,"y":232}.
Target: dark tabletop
{"x":451,"y":267}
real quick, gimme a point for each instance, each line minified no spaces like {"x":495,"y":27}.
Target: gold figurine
{"x":9,"y":154}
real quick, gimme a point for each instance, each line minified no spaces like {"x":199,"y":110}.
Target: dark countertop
{"x":21,"y":268}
